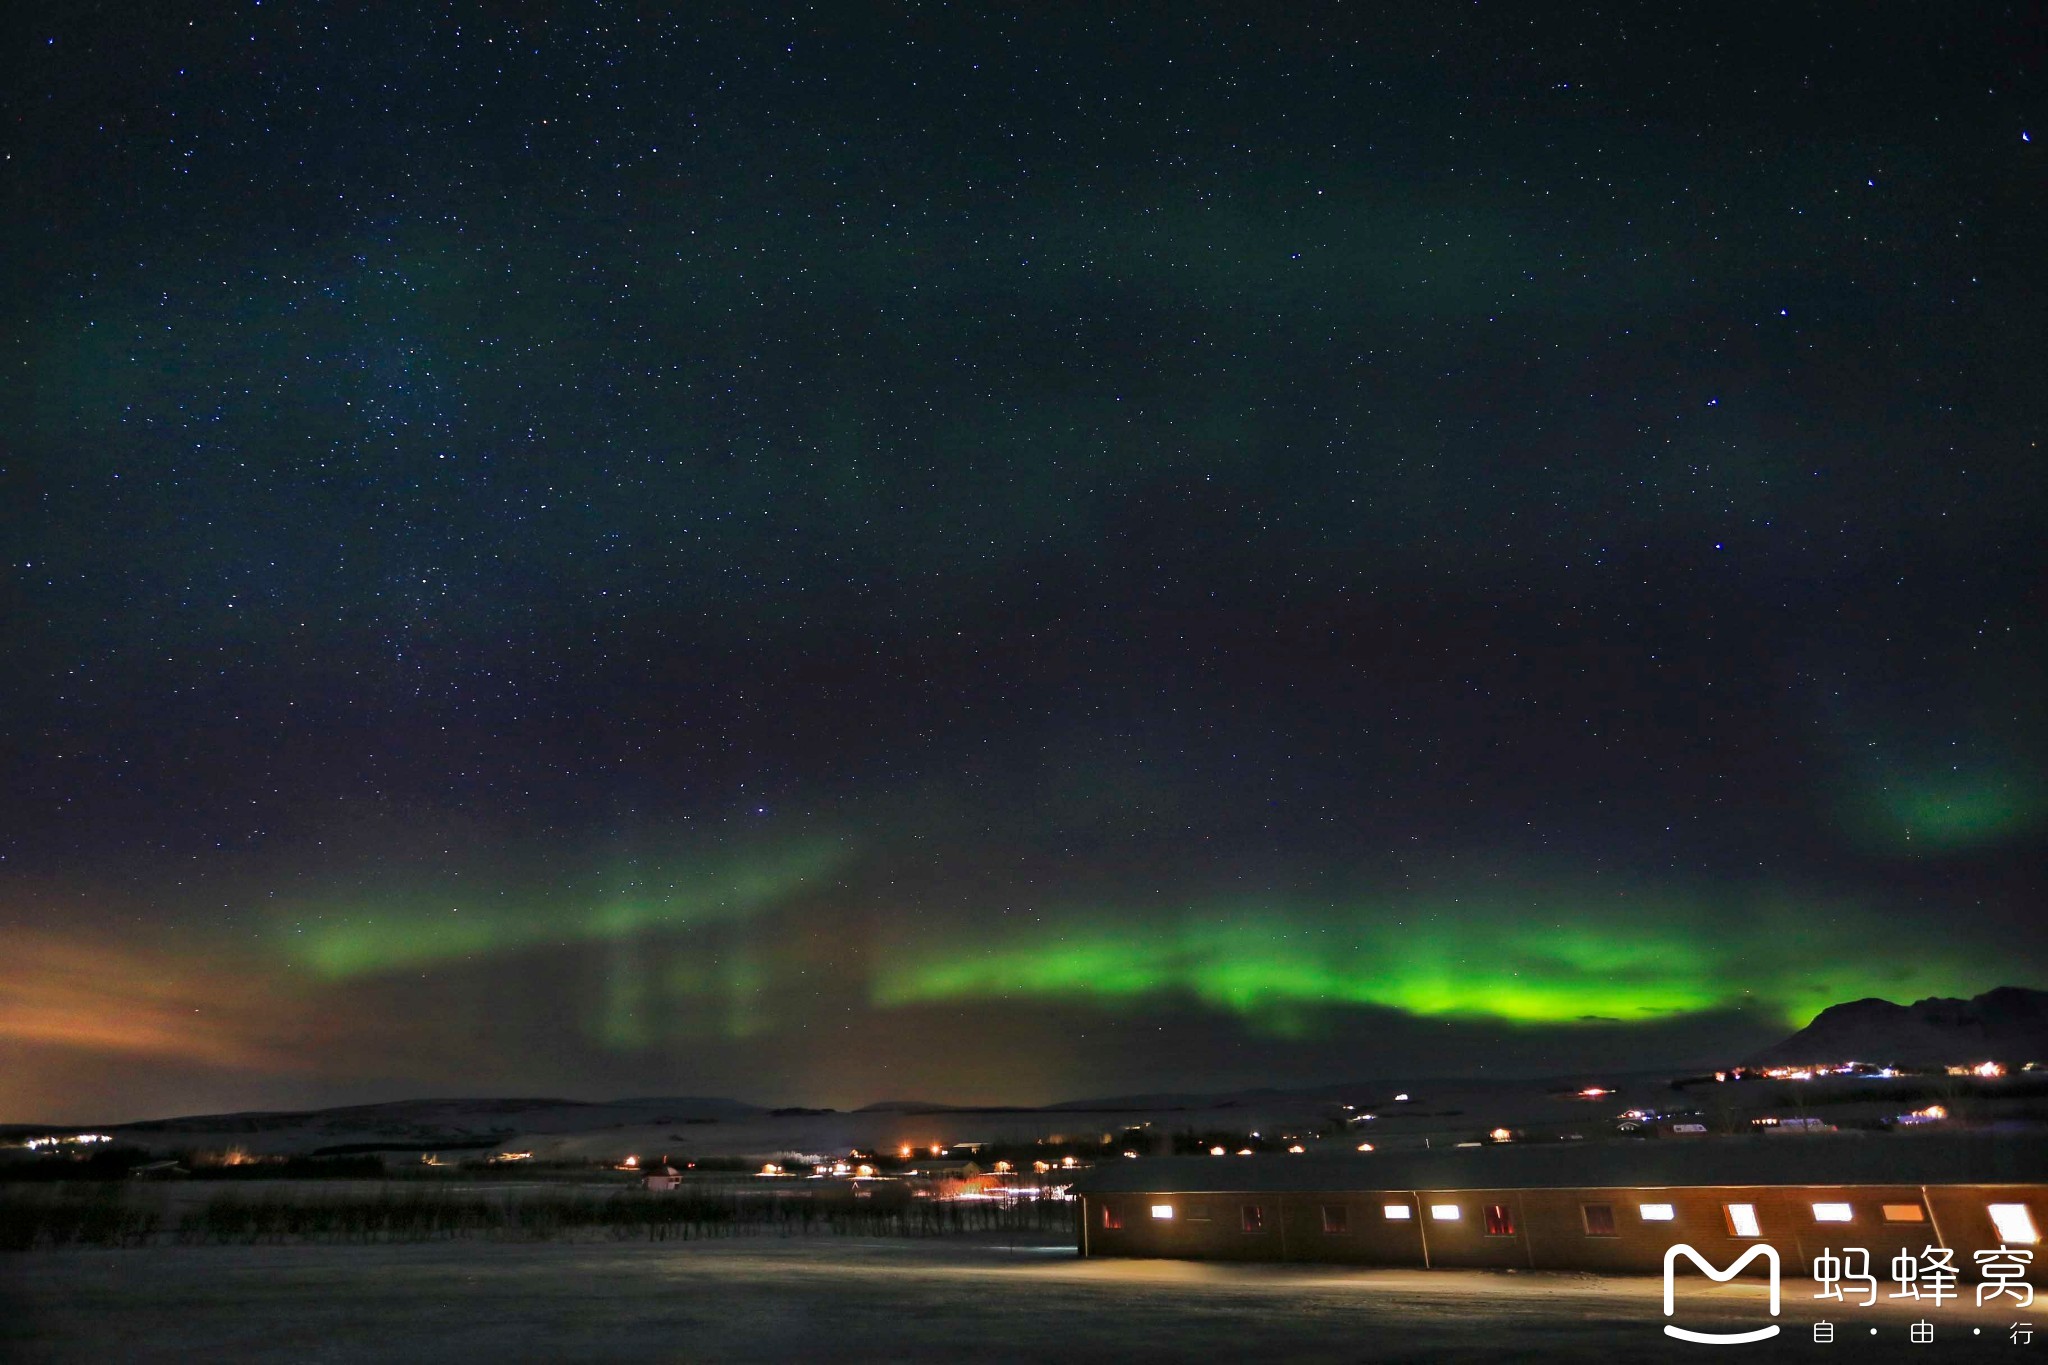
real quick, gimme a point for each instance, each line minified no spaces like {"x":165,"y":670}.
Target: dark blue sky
{"x":552,"y":549}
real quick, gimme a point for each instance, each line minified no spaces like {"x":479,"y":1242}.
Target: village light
{"x":1216,"y":1151}
{"x":1401,"y":1099}
{"x":631,"y":1163}
{"x":1296,"y":1150}
{"x":1246,"y":1151}
{"x":1365,"y":1146}
{"x":1501,"y":1135}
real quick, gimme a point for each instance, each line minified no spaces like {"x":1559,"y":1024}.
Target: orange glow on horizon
{"x":77,"y":993}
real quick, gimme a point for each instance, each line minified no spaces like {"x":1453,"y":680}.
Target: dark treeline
{"x":106,"y":1217}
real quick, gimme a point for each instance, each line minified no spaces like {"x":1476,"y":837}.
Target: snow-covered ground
{"x":841,"y":1299}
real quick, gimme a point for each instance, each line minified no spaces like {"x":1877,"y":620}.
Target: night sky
{"x":893,"y":552}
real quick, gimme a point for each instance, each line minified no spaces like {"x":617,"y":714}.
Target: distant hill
{"x":906,"y":1107}
{"x":450,"y":1120}
{"x":2009,"y":1024}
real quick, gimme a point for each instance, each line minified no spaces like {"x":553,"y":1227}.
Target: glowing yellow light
{"x":1501,"y":1135}
{"x":771,"y":1169}
{"x":1217,"y":1151}
{"x":938,"y":1150}
{"x":1594,"y":1092}
{"x":1297,"y":1149}
{"x":1004,"y":1168}
{"x":1246,"y":1151}
{"x":1365,"y":1146}
{"x":631,"y":1162}
{"x":1988,"y":1070}
{"x":864,"y":1172}
{"x":1132,"y":1155}
{"x":903,"y":1152}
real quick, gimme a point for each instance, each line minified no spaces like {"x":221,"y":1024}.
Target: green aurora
{"x":1276,"y":968}
{"x":1948,"y":812}
{"x":342,"y":941}
{"x":689,"y":948}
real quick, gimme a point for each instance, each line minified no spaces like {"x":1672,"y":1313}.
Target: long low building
{"x":1615,"y":1206}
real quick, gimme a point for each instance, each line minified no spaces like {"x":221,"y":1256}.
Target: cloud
{"x":96,"y":996}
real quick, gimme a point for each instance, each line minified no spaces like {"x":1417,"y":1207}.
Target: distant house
{"x":1581,"y":1206}
{"x":667,"y":1178}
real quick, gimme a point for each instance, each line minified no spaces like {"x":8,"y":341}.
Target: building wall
{"x":1549,"y":1229}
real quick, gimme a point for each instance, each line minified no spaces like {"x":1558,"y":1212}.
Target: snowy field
{"x":843,"y":1299}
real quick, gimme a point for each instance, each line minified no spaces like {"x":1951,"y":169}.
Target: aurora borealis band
{"x":1004,"y":557}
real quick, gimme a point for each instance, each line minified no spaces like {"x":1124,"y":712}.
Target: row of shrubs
{"x":110,"y":1219}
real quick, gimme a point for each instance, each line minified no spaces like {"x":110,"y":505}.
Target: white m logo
{"x":1770,"y":1255}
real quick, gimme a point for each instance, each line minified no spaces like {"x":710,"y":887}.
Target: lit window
{"x":1397,"y":1213}
{"x":1112,"y":1217}
{"x":1831,"y":1213}
{"x":1599,"y":1219}
{"x":1904,"y":1213}
{"x":1657,"y":1213}
{"x":1500,"y":1221}
{"x":1254,"y":1218}
{"x":1742,"y":1221}
{"x":1444,"y":1213}
{"x":1162,"y":1211}
{"x":1336,"y":1218}
{"x":2014,"y":1223}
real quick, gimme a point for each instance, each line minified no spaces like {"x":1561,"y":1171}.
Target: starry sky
{"x":834,"y":553}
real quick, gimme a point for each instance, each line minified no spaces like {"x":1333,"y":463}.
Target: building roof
{"x":1845,"y":1159}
